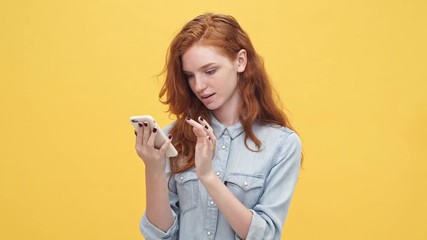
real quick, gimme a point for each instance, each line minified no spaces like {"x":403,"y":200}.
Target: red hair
{"x":225,"y":34}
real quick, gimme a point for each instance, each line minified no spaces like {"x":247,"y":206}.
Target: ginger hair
{"x":258,"y":105}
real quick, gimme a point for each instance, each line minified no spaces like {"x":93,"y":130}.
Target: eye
{"x":211,"y":71}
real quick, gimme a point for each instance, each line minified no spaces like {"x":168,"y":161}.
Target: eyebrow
{"x":201,"y":68}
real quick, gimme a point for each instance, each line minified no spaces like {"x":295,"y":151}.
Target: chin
{"x":211,"y":107}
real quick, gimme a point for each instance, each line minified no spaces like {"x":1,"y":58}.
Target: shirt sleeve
{"x":151,"y":232}
{"x":270,"y":213}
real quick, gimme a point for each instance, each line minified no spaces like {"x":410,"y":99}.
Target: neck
{"x":228,"y":114}
{"x":226,"y":118}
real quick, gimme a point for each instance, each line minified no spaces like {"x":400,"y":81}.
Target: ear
{"x":242,"y":60}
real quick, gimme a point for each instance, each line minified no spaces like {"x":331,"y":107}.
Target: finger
{"x":146,"y":133}
{"x":199,"y":132}
{"x":212,"y":137}
{"x":152,"y":137}
{"x":139,"y":132}
{"x":193,"y":123}
{"x":204,"y":123}
{"x":166,"y":144}
{"x":198,"y":129}
{"x":208,"y":129}
{"x":211,"y":142}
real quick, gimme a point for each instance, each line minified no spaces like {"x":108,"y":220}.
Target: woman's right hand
{"x":154,"y":159}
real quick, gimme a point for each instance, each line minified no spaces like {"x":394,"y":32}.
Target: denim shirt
{"x":263,"y":181}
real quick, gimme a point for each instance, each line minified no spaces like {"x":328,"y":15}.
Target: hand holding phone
{"x":160,"y":136}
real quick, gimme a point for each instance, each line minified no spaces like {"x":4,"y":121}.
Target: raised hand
{"x":205,"y":146}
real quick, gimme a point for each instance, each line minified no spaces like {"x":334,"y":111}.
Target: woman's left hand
{"x":205,"y":146}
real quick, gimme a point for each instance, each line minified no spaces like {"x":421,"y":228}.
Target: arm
{"x":152,"y":232}
{"x":158,"y":210}
{"x":270,"y":213}
{"x":236,"y":214}
{"x":266,"y":219}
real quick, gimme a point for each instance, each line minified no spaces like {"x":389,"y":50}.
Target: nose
{"x":199,"y":83}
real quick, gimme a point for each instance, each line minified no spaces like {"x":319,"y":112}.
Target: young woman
{"x":238,"y":157}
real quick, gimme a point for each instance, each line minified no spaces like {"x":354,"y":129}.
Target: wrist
{"x":207,"y":177}
{"x":154,"y":175}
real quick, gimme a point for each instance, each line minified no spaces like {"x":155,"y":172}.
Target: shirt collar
{"x":219,"y":129}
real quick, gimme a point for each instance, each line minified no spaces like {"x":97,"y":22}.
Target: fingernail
{"x":145,"y":124}
{"x":187,"y":118}
{"x":140,"y":124}
{"x":206,"y":126}
{"x":170,"y":136}
{"x":201,"y":119}
{"x":154,"y":130}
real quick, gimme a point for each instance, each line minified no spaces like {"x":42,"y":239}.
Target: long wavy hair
{"x":258,"y":105}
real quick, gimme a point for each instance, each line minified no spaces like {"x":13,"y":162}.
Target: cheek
{"x":232,"y":81}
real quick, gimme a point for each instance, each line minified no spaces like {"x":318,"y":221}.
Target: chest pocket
{"x":188,"y":190}
{"x":246,"y":188}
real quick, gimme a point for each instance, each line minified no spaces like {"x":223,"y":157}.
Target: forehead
{"x":199,"y":55}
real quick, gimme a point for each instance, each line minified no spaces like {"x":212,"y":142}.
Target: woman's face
{"x":213,"y":77}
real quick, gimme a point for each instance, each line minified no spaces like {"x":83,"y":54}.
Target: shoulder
{"x":282,"y":141}
{"x":276,"y":133}
{"x":290,"y":136}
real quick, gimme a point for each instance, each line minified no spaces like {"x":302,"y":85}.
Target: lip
{"x":207,"y":98}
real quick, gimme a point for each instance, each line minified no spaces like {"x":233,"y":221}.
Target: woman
{"x":238,"y":158}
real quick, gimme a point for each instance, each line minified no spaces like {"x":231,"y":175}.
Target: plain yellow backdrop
{"x":351,"y":74}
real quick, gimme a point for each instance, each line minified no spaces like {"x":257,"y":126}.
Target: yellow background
{"x":352,"y":75}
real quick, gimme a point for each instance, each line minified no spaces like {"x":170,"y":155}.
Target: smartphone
{"x":160,"y":137}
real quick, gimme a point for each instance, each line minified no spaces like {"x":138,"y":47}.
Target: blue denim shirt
{"x":263,"y":181}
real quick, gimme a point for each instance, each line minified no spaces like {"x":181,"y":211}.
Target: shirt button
{"x":245,"y":183}
{"x":223,"y":146}
{"x":208,"y":233}
{"x":218,"y":173}
{"x":212,"y":203}
{"x":181,"y":178}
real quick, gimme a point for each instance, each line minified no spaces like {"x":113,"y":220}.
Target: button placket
{"x":219,"y":164}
